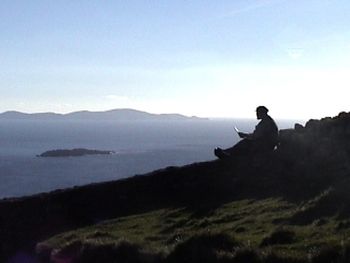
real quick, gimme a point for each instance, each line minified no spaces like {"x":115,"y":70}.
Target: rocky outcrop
{"x":327,"y":139}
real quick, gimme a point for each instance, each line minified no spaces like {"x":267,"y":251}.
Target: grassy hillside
{"x":292,"y":205}
{"x":260,"y":230}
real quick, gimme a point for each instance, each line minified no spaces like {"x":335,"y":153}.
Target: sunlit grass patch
{"x":263,"y":226}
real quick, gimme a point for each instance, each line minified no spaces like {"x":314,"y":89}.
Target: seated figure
{"x":263,"y":139}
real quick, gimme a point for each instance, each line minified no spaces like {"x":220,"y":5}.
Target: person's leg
{"x":220,"y":153}
{"x":242,"y":147}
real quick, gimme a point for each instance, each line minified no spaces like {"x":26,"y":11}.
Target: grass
{"x":259,"y":225}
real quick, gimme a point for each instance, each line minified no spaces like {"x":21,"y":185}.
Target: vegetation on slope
{"x":264,"y":228}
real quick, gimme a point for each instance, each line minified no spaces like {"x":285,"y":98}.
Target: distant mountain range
{"x":116,"y":115}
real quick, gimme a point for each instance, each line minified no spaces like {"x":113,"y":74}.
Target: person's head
{"x":261,"y":112}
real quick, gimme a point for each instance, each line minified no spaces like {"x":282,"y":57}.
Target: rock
{"x":298,"y":127}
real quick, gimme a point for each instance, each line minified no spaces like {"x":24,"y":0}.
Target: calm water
{"x":140,"y":147}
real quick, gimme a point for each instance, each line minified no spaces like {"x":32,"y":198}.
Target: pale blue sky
{"x":204,"y":58}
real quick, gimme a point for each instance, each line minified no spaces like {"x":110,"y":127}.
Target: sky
{"x":207,"y":58}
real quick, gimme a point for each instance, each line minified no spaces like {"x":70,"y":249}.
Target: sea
{"x":140,"y":147}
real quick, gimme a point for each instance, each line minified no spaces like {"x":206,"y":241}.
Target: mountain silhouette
{"x":113,"y":115}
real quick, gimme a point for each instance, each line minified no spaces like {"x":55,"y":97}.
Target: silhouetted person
{"x":263,"y":139}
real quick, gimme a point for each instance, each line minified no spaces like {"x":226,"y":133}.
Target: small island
{"x":73,"y":152}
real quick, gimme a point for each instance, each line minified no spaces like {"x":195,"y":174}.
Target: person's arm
{"x":262,"y":130}
{"x":244,"y":135}
{"x":257,"y":133}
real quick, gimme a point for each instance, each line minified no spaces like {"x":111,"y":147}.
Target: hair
{"x":262,"y":109}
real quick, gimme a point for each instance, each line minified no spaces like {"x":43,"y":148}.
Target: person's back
{"x":265,"y":134}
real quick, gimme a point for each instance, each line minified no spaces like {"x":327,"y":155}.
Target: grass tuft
{"x":202,"y":248}
{"x":279,"y":236}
